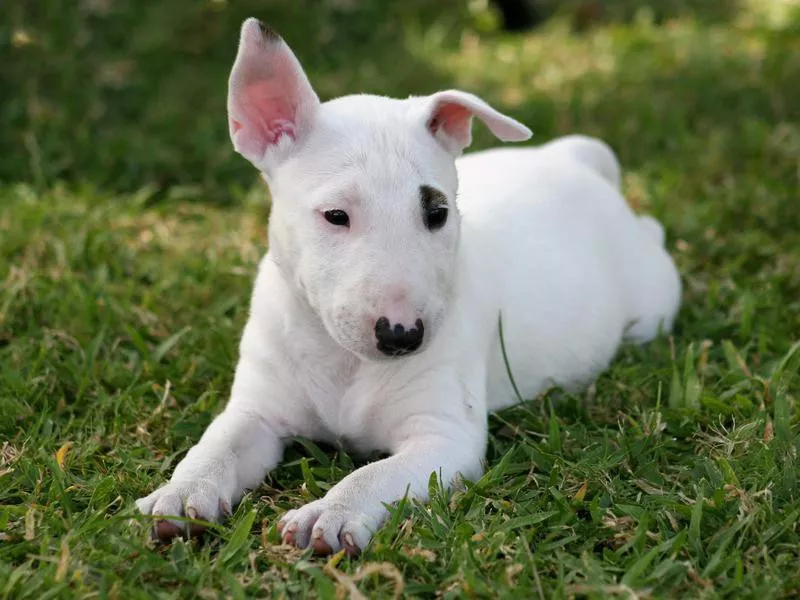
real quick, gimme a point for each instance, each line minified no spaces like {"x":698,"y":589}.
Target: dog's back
{"x":564,"y":259}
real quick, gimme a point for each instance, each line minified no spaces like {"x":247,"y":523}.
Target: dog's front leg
{"x":353,"y":509}
{"x":233,"y":455}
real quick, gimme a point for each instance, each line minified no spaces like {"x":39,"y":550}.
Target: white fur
{"x":542,"y":238}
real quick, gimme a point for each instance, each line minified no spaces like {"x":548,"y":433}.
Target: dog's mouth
{"x":394,"y":356}
{"x":375,"y":354}
{"x":398,"y":352}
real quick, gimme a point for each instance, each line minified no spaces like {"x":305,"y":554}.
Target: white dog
{"x":375,"y":315}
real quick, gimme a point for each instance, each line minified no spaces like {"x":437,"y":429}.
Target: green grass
{"x":129,"y":235}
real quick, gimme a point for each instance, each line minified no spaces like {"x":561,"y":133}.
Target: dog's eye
{"x":434,"y":207}
{"x":337,"y":217}
{"x":436,"y":217}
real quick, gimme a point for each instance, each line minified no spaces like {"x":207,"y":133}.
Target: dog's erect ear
{"x":270,"y":101}
{"x":449,"y":119}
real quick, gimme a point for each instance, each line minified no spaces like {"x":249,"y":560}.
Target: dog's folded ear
{"x":271,"y":104}
{"x":449,"y":119}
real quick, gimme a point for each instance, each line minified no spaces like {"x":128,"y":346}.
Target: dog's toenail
{"x":350,"y":548}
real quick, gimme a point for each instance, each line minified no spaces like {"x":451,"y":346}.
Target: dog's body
{"x":541,"y":240}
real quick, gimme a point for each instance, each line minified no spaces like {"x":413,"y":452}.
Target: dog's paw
{"x":327,"y":527}
{"x":198,"y":499}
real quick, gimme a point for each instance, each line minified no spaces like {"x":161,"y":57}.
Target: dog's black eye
{"x":436,"y":218}
{"x":337,"y":217}
{"x":434,"y":207}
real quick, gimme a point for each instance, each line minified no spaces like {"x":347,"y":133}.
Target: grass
{"x":129,"y":235}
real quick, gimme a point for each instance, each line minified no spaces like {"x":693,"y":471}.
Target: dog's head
{"x":364,"y":219}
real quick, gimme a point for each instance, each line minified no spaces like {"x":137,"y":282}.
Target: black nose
{"x":397,"y":341}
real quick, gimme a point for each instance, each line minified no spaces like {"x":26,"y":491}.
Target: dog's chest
{"x":349,"y":410}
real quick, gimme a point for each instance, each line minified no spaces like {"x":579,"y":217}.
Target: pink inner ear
{"x":454,"y":119}
{"x":269,"y":109}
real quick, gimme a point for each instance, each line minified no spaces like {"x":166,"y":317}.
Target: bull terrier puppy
{"x":374,"y":318}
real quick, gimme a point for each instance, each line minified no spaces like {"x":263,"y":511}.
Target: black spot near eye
{"x":434,"y":207}
{"x":337,"y":217}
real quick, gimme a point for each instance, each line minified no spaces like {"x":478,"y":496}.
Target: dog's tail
{"x":594,"y":153}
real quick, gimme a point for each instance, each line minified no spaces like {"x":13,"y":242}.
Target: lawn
{"x":129,"y":237}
